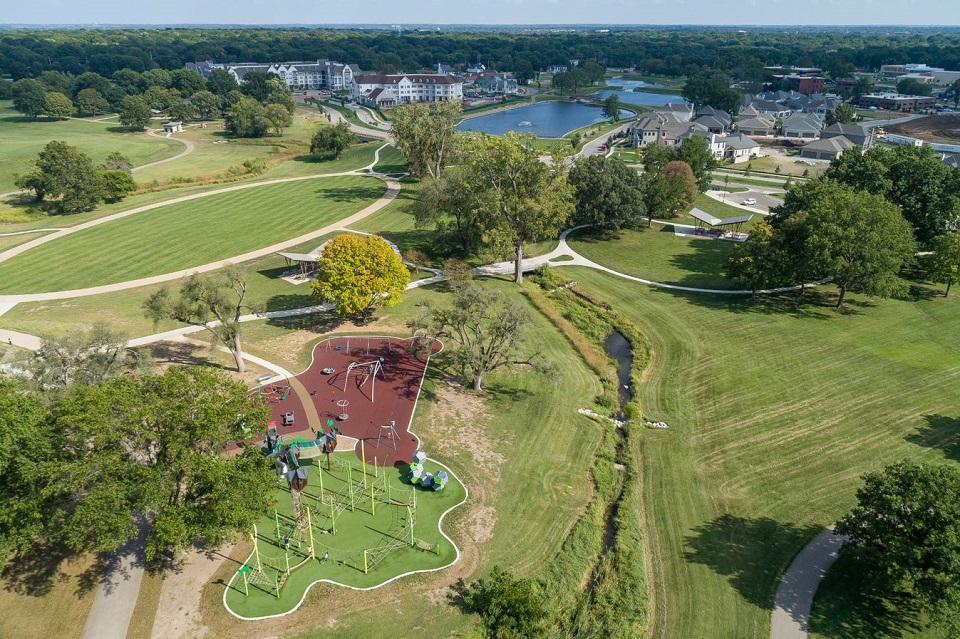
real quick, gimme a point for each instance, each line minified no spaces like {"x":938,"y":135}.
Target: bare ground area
{"x":944,"y":128}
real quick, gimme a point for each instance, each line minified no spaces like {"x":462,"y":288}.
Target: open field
{"x":659,"y":255}
{"x":789,"y":165}
{"x":21,"y":138}
{"x":187,"y":234}
{"x":774,"y":413}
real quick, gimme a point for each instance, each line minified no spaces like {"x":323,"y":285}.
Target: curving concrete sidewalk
{"x":188,"y":144}
{"x":798,"y":586}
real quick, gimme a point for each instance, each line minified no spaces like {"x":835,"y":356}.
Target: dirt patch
{"x":169,"y":354}
{"x":944,"y":129}
{"x":458,"y":417}
{"x":178,"y":614}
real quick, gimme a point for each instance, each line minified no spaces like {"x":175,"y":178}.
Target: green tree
{"x":256,"y":84}
{"x":906,"y":525}
{"x":529,"y":200}
{"x":611,"y":107}
{"x":843,"y":114}
{"x":695,"y":151}
{"x":425,"y":135}
{"x":954,"y":92}
{"x":912,"y":86}
{"x":359,"y":274}
{"x":670,"y":191}
{"x":607,"y":193}
{"x":913,"y":178}
{"x":182,"y":110}
{"x":214,"y":302}
{"x":457,"y":213}
{"x":221,"y":83}
{"x":187,"y":82}
{"x":91,"y":102}
{"x":858,"y":239}
{"x":155,"y":78}
{"x":711,"y":89}
{"x":57,"y":105}
{"x":592,"y":71}
{"x":116,"y":185}
{"x":509,"y":608}
{"x":247,"y":119}
{"x":84,"y":357}
{"x":56,"y":81}
{"x":160,"y":98}
{"x":945,"y":261}
{"x":206,"y":104}
{"x":63,"y":172}
{"x":489,"y":331}
{"x":756,"y":262}
{"x":29,"y":97}
{"x":134,"y":112}
{"x":116,"y":161}
{"x":863,"y":87}
{"x":278,"y":116}
{"x":332,"y":140}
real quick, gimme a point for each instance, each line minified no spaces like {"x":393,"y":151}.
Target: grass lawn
{"x":659,"y":255}
{"x":21,"y":138}
{"x":774,"y":414}
{"x":361,"y":546}
{"x":182,"y":235}
{"x":715,"y":208}
{"x":34,"y":607}
{"x":789,"y":165}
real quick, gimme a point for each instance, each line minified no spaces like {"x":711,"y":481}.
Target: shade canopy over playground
{"x":705,"y":220}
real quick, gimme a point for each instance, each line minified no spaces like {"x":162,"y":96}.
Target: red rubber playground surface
{"x":373,"y":403}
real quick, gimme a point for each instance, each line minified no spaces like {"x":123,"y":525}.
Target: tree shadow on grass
{"x":815,"y":304}
{"x":34,"y":574}
{"x":749,"y":552}
{"x":853,"y":602}
{"x":940,"y":433}
{"x":369,"y":190}
{"x":705,"y":265}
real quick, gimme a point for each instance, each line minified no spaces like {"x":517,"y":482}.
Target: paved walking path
{"x":188,"y":144}
{"x":393,"y":189}
{"x":336,"y":117}
{"x":119,"y":589}
{"x":794,"y":598}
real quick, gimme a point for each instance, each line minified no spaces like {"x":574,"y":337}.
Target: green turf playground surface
{"x":21,"y":138}
{"x":179,"y":236}
{"x":339,"y":557}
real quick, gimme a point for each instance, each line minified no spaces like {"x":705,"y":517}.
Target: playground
{"x":367,"y":386}
{"x":358,"y":504}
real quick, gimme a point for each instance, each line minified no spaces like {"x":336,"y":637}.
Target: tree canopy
{"x":945,"y":261}
{"x":425,"y":136}
{"x":711,"y":89}
{"x":359,"y":274}
{"x":65,"y":178}
{"x":332,"y":140}
{"x":82,"y":472}
{"x":907,"y":525}
{"x":607,"y":193}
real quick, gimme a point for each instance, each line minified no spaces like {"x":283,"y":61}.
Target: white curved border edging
{"x":466,"y":495}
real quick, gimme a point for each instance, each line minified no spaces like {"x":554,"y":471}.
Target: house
{"x":172,"y":127}
{"x":760,"y":125}
{"x":476,"y":69}
{"x":497,"y":83}
{"x":444,"y":69}
{"x":380,"y":97}
{"x":557,"y":68}
{"x":683,"y":112}
{"x":299,"y":76}
{"x":739,"y":148}
{"x":952,"y":160}
{"x":406,"y":88}
{"x":802,"y":125}
{"x":771,"y":109}
{"x":826,"y":148}
{"x":713,"y":123}
{"x":897,"y":102}
{"x":859,"y":135}
{"x":663,"y":129}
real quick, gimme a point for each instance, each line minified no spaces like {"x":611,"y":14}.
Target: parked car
{"x":749,"y":202}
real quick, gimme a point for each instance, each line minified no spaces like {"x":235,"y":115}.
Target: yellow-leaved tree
{"x":360,"y":273}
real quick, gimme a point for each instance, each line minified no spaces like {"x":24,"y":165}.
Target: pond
{"x":551,"y":119}
{"x":641,"y":98}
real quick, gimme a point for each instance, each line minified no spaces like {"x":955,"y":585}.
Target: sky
{"x":312,"y":12}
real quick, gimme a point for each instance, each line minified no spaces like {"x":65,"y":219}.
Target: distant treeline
{"x":664,"y":51}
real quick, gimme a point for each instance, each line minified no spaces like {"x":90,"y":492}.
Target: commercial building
{"x":922,"y":72}
{"x":897,"y":102}
{"x":299,"y":76}
{"x":394,"y":90}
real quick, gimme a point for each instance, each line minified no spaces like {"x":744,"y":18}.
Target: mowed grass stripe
{"x":187,"y":234}
{"x":775,"y":413}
